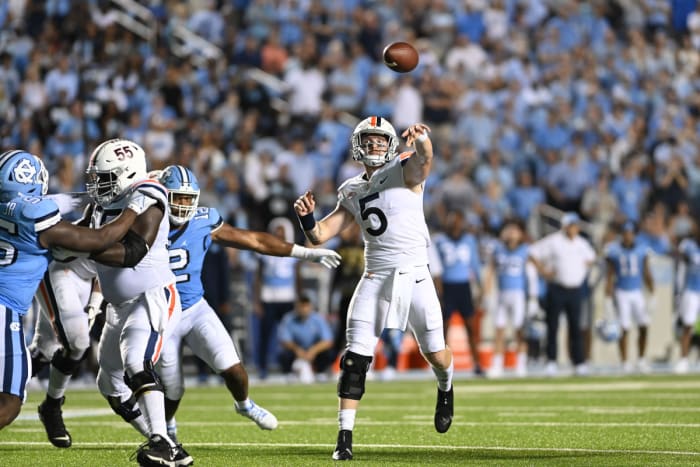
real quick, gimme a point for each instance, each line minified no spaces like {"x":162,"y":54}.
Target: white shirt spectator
{"x":306,"y":86}
{"x":408,"y":108}
{"x":569,"y":258}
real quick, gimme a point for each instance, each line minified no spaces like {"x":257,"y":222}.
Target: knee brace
{"x":146,"y":380}
{"x":124,"y":409}
{"x":353,"y":371}
{"x":64,"y":364}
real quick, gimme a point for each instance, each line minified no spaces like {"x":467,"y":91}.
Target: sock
{"x":57,"y":383}
{"x":153,"y":410}
{"x":497,"y":361}
{"x":444,"y":377}
{"x":243,"y":405}
{"x":171,"y":426}
{"x":522,"y":359}
{"x":346,"y":419}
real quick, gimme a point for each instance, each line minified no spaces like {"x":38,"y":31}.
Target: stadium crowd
{"x":587,"y":106}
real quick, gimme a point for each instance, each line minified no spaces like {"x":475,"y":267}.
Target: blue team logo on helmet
{"x":183,"y":193}
{"x":22,"y":172}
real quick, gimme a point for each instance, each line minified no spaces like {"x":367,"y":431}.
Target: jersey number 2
{"x":365,"y":212}
{"x":179,"y":259}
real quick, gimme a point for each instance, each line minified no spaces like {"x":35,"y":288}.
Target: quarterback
{"x":396,"y":290}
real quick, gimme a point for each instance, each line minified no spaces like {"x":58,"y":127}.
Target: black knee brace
{"x":124,"y":409}
{"x":146,"y":380}
{"x":64,"y":364}
{"x":353,"y":371}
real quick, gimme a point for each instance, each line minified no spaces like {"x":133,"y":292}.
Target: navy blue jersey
{"x":23,"y":260}
{"x":187,"y":247}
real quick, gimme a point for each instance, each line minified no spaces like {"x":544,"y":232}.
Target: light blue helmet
{"x":181,"y":184}
{"x":22,"y":172}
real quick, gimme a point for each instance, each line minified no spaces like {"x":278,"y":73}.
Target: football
{"x":401,"y":57}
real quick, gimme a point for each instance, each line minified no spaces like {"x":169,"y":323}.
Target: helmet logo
{"x":25,"y":172}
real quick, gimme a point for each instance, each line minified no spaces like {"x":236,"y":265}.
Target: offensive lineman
{"x":396,"y":289}
{"x":29,"y":226}
{"x":137,"y":281}
{"x":192,"y":230}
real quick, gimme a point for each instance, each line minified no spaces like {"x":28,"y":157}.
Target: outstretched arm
{"x":417,"y":167}
{"x":325,"y":229}
{"x":267,"y":244}
{"x":66,"y":235}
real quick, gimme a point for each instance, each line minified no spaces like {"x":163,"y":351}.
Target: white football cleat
{"x":551,"y":369}
{"x":681,"y":367}
{"x":643,"y":367}
{"x":262,"y":417}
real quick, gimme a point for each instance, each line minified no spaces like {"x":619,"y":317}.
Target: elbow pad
{"x":135,"y":248}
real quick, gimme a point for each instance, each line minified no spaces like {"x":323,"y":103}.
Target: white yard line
{"x":370,"y":422}
{"x":379,"y":446}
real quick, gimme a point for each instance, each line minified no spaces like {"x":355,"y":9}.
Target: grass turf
{"x":595,"y":421}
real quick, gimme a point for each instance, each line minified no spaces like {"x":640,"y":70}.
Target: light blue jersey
{"x":187,"y":247}
{"x":510,"y":267}
{"x":459,"y":258}
{"x":628,"y":263}
{"x":690,"y":252}
{"x":23,"y":261}
{"x":304,"y":332}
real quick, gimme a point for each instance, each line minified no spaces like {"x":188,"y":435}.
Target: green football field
{"x":595,"y":421}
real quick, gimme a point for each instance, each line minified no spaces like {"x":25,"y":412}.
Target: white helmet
{"x":374,"y":126}
{"x":114,"y":166}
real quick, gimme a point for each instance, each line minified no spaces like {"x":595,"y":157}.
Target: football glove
{"x":139,"y":203}
{"x":327,"y":258}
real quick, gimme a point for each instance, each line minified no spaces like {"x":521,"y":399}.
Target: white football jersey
{"x":391,"y":217}
{"x":121,"y":284}
{"x":85,"y":268}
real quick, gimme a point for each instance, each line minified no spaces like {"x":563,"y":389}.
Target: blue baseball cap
{"x":629,"y":226}
{"x":570,"y":218}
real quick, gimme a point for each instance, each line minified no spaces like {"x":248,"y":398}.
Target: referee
{"x":564,"y":259}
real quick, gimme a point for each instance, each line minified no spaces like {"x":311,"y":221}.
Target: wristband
{"x":307,"y":221}
{"x":422,"y":137}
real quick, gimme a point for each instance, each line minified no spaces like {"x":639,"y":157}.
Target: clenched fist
{"x":305,"y":204}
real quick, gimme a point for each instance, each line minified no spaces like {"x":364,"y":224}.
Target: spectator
{"x":275,"y":291}
{"x":564,"y":259}
{"x":306,"y":340}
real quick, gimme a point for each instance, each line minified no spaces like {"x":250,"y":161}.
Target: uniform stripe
{"x":7,"y":156}
{"x":25,"y":362}
{"x":373,"y":120}
{"x":171,"y":294}
{"x":405,"y":155}
{"x":6,"y":313}
{"x":183,"y":174}
{"x":47,"y":221}
{"x":379,"y":121}
{"x":150,"y":347}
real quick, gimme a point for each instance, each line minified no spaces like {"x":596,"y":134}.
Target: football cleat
{"x":52,"y":418}
{"x":444,"y":410}
{"x":262,"y":417}
{"x":157,"y":452}
{"x":343,"y":447}
{"x":182,"y":457}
